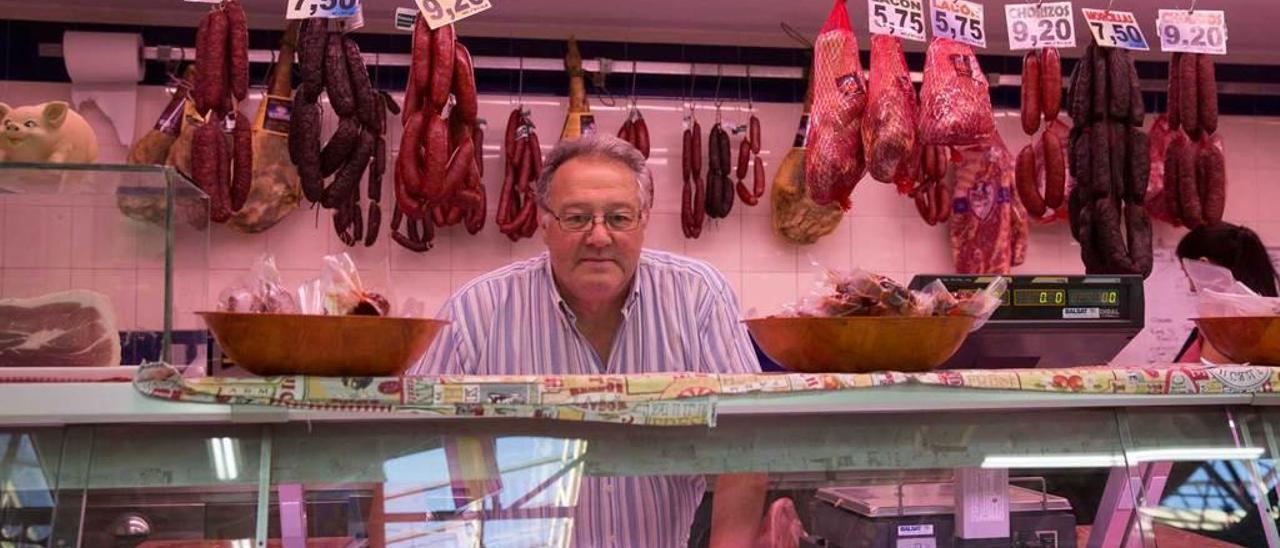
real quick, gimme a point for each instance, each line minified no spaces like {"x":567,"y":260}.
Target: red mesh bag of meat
{"x":888,"y":129}
{"x":983,"y":216}
{"x":955,"y":106}
{"x":835,"y":160}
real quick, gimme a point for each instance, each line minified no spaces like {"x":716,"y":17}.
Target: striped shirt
{"x":680,"y":315}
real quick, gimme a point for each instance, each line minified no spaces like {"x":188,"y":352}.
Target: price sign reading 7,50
{"x":439,"y":13}
{"x":332,"y":9}
{"x":901,"y":18}
{"x":959,"y":20}
{"x":1115,"y":29}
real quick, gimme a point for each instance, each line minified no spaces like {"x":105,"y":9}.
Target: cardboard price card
{"x":1046,"y":25}
{"x":1115,"y":29}
{"x":444,"y":12}
{"x":332,"y":9}
{"x":1193,"y":32}
{"x":901,"y":18}
{"x":959,"y":20}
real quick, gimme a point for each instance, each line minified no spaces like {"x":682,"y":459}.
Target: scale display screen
{"x":1069,"y":299}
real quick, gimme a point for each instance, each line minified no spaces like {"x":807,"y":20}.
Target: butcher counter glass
{"x":125,"y":245}
{"x":895,"y":466}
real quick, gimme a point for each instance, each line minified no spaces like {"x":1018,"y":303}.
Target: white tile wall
{"x":47,"y":245}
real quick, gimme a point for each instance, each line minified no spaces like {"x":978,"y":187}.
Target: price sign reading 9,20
{"x":1045,"y":25}
{"x":1193,"y":31}
{"x":1115,"y":29}
{"x":959,"y":20}
{"x":443,"y":12}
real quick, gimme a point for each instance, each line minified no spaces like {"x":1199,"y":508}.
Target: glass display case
{"x":898,"y":466}
{"x":123,"y":247}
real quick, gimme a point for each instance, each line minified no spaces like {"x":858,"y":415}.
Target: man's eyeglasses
{"x":615,"y":221}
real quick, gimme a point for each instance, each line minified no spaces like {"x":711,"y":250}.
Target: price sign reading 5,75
{"x":1044,"y":25}
{"x":1115,"y":29}
{"x":901,"y":18}
{"x":1193,"y":32}
{"x":439,"y":13}
{"x":303,"y":9}
{"x":959,"y":20}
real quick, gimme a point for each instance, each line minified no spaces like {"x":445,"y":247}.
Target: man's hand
{"x":736,"y":509}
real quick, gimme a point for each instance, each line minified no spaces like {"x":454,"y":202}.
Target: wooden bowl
{"x":1245,"y":339}
{"x":336,"y":346}
{"x":860,"y":344}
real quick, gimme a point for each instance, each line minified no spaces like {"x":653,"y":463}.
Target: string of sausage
{"x":933,"y":195}
{"x":635,"y":131}
{"x":1195,"y":169}
{"x":331,"y":63}
{"x":222,"y":170}
{"x":438,"y":168}
{"x":749,"y":151}
{"x":693,"y":195}
{"x":719,"y":185}
{"x":1108,"y":157}
{"x":517,"y":205}
{"x":1041,"y":98}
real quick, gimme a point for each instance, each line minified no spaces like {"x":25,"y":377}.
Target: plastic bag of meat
{"x":260,"y":290}
{"x":888,"y":129}
{"x":955,"y":106}
{"x":345,"y":293}
{"x":983,"y":209}
{"x":835,"y":161}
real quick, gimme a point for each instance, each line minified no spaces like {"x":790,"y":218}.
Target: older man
{"x":598,"y":303}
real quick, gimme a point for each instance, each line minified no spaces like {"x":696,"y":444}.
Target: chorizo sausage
{"x":686,"y":159}
{"x":464,"y":85}
{"x":242,"y":175}
{"x":753,"y":134}
{"x":535,"y":148}
{"x":624,"y":132}
{"x":340,"y":146}
{"x":410,"y":168}
{"x":942,"y":201}
{"x":640,"y":130}
{"x":337,"y":80}
{"x":420,"y":66}
{"x":1050,"y":84}
{"x":1188,"y":192}
{"x":1055,"y":171}
{"x":1173,"y":180}
{"x":695,"y":146}
{"x":238,"y":44}
{"x":745,"y":194}
{"x":200,"y":91}
{"x":1025,"y":181}
{"x":1214,"y":184}
{"x":477,"y":134}
{"x":1188,"y":96}
{"x":1175,"y":92}
{"x":205,"y":143}
{"x":509,"y":135}
{"x":369,"y":108}
{"x":744,"y":158}
{"x":1207,"y":93}
{"x":1030,"y":112}
{"x":442,"y":57}
{"x":435,"y":188}
{"x":923,"y":200}
{"x":211,"y":61}
{"x":759,"y":183}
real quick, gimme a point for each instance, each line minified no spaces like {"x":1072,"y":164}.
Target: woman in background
{"x":1237,"y":249}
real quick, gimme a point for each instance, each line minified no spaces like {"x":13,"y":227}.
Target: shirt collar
{"x":632,"y":297}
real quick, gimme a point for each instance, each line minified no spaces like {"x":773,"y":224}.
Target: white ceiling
{"x":1254,"y":38}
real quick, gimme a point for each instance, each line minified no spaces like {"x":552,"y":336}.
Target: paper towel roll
{"x":105,"y":68}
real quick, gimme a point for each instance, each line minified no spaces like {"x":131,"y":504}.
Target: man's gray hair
{"x":601,"y":146}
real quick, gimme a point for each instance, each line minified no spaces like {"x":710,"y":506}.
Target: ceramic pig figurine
{"x":46,"y":133}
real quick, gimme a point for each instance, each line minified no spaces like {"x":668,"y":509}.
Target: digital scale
{"x":1049,"y":321}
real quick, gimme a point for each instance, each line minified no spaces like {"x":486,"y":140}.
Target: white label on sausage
{"x":1193,"y":31}
{"x":901,"y":18}
{"x":1047,"y":25}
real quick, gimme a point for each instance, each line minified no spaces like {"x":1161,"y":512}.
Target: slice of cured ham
{"x":68,"y":328}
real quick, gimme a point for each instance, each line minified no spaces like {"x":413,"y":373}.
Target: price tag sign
{"x":1115,"y":29}
{"x":331,"y":9}
{"x":443,"y":12}
{"x":1046,"y":25}
{"x":1193,"y":32}
{"x":901,"y":18}
{"x":959,"y":20}
{"x":406,"y":18}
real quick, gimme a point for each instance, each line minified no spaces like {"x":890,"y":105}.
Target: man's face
{"x":595,"y":265}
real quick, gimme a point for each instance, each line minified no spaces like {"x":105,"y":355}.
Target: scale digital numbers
{"x":443,"y":12}
{"x":1039,"y":297}
{"x":1115,"y":29}
{"x":1094,"y":297}
{"x":959,"y":20}
{"x":901,"y":18}
{"x":331,"y":9}
{"x":1193,"y":32}
{"x":1046,"y":25}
